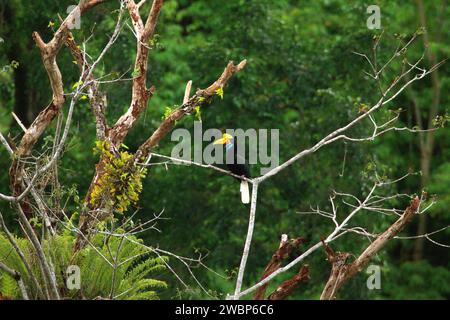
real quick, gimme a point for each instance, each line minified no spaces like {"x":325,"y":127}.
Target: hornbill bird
{"x":236,"y":164}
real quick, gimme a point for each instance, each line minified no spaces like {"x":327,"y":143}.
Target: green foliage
{"x":136,"y":73}
{"x":301,"y":78}
{"x":198,"y":113}
{"x":219,"y":92}
{"x":167,"y":112}
{"x":154,"y":42}
{"x":438,"y":191}
{"x":121,"y":182}
{"x":419,"y":280}
{"x":131,"y":277}
{"x":441,"y":120}
{"x":8,"y":286}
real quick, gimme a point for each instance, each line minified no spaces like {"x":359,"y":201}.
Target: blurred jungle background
{"x":302,"y":78}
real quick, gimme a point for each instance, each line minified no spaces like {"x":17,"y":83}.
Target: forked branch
{"x":341,"y":271}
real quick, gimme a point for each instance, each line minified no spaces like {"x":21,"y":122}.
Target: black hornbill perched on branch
{"x":236,"y":164}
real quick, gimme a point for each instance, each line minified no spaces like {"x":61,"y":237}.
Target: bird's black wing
{"x":239,"y":167}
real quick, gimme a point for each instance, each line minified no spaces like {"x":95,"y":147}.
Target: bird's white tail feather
{"x":245,"y":193}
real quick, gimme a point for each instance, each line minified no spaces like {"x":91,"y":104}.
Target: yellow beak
{"x":225,"y":139}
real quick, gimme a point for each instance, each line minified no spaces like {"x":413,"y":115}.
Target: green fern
{"x":135,"y":284}
{"x":143,"y":268}
{"x":8,"y":286}
{"x":131,"y":276}
{"x":147,"y":295}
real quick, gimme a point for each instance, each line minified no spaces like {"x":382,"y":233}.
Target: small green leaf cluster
{"x":441,"y":120}
{"x":120,"y":184}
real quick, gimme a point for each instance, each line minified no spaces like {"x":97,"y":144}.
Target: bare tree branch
{"x":49,"y":52}
{"x":394,"y":90}
{"x":48,"y":272}
{"x":140,"y":93}
{"x":285,"y":249}
{"x":342,"y":272}
{"x":187,"y":108}
{"x":287,"y":287}
{"x":16,"y":275}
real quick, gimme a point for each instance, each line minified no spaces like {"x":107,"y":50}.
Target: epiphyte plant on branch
{"x":118,"y":177}
{"x":121,"y":184}
{"x":117,"y":182}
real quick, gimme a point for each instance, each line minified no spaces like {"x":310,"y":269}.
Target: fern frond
{"x":9,"y":287}
{"x":146,"y":267}
{"x":147,"y":295}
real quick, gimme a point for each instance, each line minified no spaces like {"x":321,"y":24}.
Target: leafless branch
{"x":285,"y":249}
{"x":387,"y":95}
{"x":342,"y":272}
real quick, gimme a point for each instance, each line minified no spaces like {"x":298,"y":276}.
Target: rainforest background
{"x":302,"y":78}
